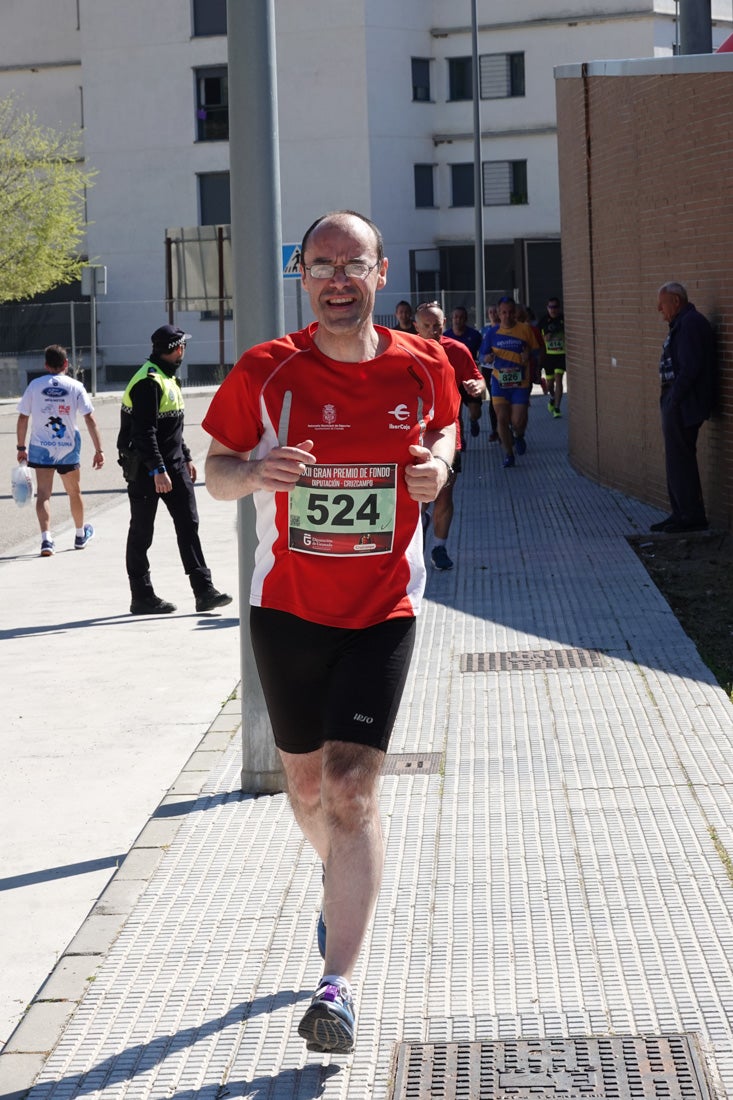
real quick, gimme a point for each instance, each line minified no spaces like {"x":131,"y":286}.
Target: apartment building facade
{"x":375,"y":113}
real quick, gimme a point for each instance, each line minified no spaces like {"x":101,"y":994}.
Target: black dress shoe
{"x":679,"y":527}
{"x":151,"y":605}
{"x":209,"y":601}
{"x":663,"y":524}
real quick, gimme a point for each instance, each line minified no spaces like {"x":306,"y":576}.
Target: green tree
{"x":42,"y":192}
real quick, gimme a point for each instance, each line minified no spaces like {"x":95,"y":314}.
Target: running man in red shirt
{"x":430,"y":322}
{"x":341,"y":432}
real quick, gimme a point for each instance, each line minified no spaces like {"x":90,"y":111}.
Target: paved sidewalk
{"x":559,"y":852}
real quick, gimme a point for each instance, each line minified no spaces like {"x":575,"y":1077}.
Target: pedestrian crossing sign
{"x":291,"y":261}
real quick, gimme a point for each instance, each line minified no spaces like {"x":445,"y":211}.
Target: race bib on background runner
{"x":343,"y":511}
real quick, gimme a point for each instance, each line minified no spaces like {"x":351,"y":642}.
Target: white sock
{"x":80,"y":532}
{"x":336,"y":979}
{"x":439,"y":542}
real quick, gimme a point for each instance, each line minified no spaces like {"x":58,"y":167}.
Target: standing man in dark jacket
{"x":157,"y":463}
{"x":687,"y":371}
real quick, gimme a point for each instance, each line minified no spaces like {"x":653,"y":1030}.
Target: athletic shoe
{"x":209,"y":601}
{"x":508,"y":462}
{"x":550,"y":406}
{"x":151,"y":605}
{"x":520,"y":445}
{"x":556,"y":413}
{"x":475,"y":428}
{"x":48,"y":547}
{"x":80,"y":541}
{"x":494,"y":437}
{"x":440,"y":558}
{"x":328,"y":1024}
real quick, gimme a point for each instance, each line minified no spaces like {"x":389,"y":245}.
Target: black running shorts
{"x":325,"y":683}
{"x":59,"y":469}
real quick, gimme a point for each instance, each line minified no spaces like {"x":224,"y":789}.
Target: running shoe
{"x":556,"y":413}
{"x":550,"y":406}
{"x":475,"y":428}
{"x":520,"y":445}
{"x":328,"y":1025}
{"x":80,"y":541}
{"x":440,"y":559}
{"x":508,"y":462}
{"x":48,"y":547}
{"x":494,"y":437}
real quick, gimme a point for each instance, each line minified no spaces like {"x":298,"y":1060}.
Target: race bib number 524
{"x":343,"y":511}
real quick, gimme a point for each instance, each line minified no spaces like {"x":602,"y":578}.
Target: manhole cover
{"x":622,"y":1067}
{"x":412,"y":763}
{"x":520,"y":660}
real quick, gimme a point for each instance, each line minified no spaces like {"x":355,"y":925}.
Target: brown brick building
{"x":646,"y":189}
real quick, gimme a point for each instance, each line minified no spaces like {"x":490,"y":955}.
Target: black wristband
{"x":449,"y":468}
{"x":19,"y":448}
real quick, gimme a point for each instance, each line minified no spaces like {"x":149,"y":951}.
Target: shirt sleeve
{"x":145,"y":396}
{"x":447,"y":398}
{"x":233,"y":416}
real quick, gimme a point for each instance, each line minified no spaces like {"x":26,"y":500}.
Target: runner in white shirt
{"x":51,"y":405}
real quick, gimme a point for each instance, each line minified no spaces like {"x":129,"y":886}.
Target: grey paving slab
{"x":566,"y":873}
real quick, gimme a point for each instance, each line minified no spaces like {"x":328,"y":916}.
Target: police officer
{"x":157,"y":463}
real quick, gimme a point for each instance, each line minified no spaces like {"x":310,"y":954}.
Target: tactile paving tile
{"x":564,"y":876}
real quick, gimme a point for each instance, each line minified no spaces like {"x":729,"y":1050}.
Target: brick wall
{"x":646,"y":186}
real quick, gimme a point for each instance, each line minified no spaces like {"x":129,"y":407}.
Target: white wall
{"x":139,"y":62}
{"x":350,"y":134}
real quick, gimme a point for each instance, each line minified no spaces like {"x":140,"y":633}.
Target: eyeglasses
{"x":357,"y":269}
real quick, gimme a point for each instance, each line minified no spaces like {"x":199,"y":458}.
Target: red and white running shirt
{"x":344,"y":548}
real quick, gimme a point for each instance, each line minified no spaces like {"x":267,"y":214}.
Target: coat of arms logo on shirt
{"x":329,"y":414}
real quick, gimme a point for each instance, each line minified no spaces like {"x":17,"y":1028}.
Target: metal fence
{"x":123,"y":329}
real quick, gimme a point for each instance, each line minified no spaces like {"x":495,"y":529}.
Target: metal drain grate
{"x":413,"y":763}
{"x":519,"y":660}
{"x":621,"y":1067}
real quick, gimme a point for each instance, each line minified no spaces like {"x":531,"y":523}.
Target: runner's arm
{"x":231,"y":475}
{"x":433,"y":461}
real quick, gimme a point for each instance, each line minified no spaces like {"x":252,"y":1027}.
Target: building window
{"x":501,"y":75}
{"x":212,"y":104}
{"x":214,"y":204}
{"x":209,"y":17}
{"x":460,"y":81}
{"x":424,"y":193}
{"x":461,"y":184}
{"x":505,"y":182}
{"x":421,"y":80}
